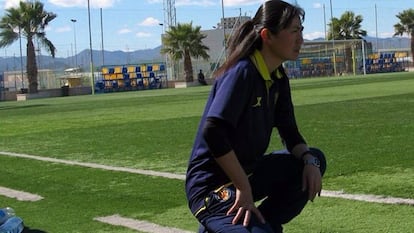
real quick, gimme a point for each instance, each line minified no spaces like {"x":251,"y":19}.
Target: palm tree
{"x":406,"y":25}
{"x":185,"y":41}
{"x":28,"y":20}
{"x":347,"y":27}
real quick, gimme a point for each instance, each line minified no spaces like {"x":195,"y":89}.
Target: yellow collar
{"x":260,"y":64}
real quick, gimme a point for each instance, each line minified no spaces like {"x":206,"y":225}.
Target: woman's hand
{"x":244,"y":207}
{"x":311,"y":180}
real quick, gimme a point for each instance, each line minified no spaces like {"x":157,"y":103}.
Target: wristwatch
{"x":311,"y":160}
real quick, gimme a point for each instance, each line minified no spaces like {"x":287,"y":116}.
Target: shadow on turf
{"x":28,"y":230}
{"x":26,"y":106}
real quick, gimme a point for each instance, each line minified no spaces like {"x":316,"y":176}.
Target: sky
{"x":130,"y":25}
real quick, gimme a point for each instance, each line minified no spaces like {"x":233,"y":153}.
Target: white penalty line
{"x":138,"y":224}
{"x":324,"y":193}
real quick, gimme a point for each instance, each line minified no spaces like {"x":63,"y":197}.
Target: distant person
{"x":201,"y":78}
{"x":228,"y":170}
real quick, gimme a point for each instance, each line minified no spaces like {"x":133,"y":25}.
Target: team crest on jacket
{"x":223,"y":194}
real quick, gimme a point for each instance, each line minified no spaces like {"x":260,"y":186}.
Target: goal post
{"x":330,"y":58}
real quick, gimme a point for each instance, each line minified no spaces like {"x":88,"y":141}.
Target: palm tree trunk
{"x":31,"y":66}
{"x":412,"y":47}
{"x":188,"y":67}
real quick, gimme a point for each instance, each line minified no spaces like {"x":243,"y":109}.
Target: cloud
{"x":195,"y":3}
{"x":11,"y":3}
{"x":227,"y":3}
{"x":150,"y":21}
{"x":314,"y":35}
{"x":124,"y":30}
{"x":317,"y":5}
{"x":83,"y":3}
{"x":64,"y":29}
{"x":143,"y":34}
{"x":69,"y":3}
{"x":154,"y":1}
{"x":241,"y":2}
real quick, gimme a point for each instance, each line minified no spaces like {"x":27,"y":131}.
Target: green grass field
{"x":364,"y":124}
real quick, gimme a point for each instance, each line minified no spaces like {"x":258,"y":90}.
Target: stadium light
{"x":74,"y":38}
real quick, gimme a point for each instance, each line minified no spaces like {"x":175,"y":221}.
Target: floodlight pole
{"x":74,"y":37}
{"x":324,"y":21}
{"x":90,"y":50}
{"x":376,"y":27}
{"x":102,"y":40}
{"x":333,"y":39}
{"x":224,"y":30}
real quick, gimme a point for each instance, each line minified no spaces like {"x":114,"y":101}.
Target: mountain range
{"x":82,"y":59}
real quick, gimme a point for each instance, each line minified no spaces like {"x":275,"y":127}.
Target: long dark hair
{"x":274,"y":15}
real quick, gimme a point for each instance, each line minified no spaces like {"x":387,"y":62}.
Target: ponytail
{"x":274,"y":15}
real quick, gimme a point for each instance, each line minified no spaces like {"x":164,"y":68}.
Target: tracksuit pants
{"x":276,"y":183}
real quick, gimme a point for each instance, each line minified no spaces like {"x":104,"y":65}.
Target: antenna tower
{"x":169,"y":13}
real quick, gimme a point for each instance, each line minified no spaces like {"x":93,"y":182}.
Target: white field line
{"x":138,"y":224}
{"x":19,"y":195}
{"x":368,"y":198}
{"x":99,"y":166}
{"x":324,"y":193}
